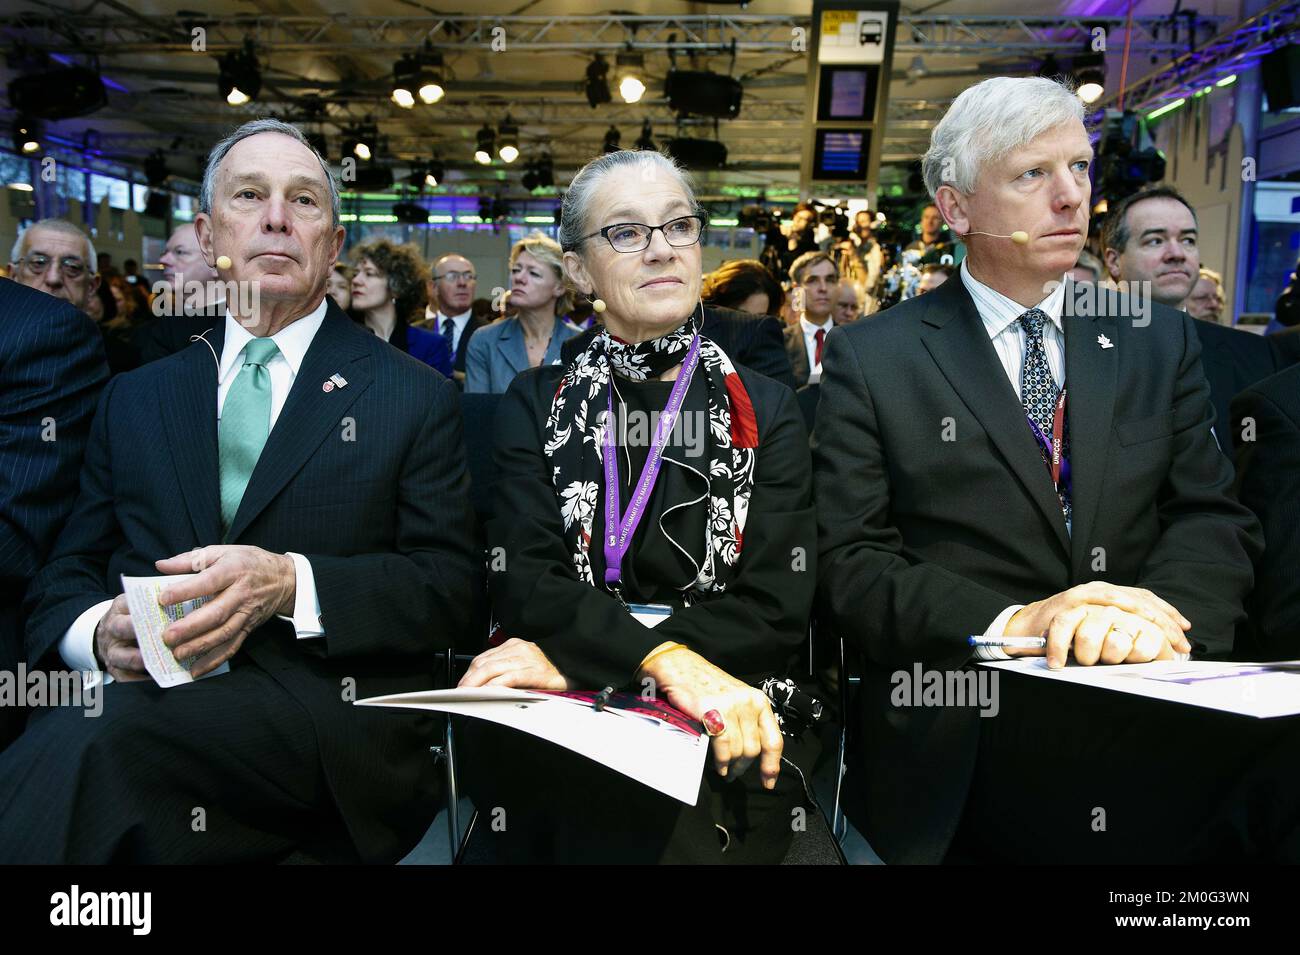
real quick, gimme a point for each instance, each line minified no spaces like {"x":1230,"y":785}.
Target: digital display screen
{"x":847,"y":93}
{"x":841,"y":154}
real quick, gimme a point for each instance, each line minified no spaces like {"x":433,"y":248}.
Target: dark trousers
{"x":540,"y":803}
{"x":221,"y":770}
{"x":1074,"y":774}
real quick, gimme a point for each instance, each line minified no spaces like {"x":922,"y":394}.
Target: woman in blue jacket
{"x":539,"y":296}
{"x":388,"y":293}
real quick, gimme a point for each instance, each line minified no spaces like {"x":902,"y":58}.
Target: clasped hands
{"x":680,"y":677}
{"x":1102,"y":623}
{"x":248,"y":586}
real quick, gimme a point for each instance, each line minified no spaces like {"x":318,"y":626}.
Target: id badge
{"x":650,"y":615}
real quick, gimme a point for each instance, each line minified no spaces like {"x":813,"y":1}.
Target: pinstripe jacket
{"x":367,"y":480}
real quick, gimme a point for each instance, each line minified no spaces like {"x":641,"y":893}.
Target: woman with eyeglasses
{"x":675,"y":563}
{"x":539,"y":296}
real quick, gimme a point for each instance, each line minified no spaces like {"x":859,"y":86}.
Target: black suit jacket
{"x":171,"y":334}
{"x":1268,"y":482}
{"x":936,"y":513}
{"x":750,"y":340}
{"x":367,"y":481}
{"x":51,"y":371}
{"x":751,"y":630}
{"x":1232,"y":360}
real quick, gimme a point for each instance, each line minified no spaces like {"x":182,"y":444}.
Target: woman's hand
{"x":515,"y":663}
{"x":686,"y":680}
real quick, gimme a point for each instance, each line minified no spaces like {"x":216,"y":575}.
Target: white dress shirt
{"x":459,"y":322}
{"x":999,"y":315}
{"x":77,"y":644}
{"x":810,"y":345}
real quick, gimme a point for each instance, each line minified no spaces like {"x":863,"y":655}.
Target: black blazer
{"x":1268,"y":482}
{"x":753,"y":628}
{"x":936,"y":513}
{"x":751,"y":340}
{"x":366,"y":481}
{"x":51,"y":371}
{"x":1232,"y":360}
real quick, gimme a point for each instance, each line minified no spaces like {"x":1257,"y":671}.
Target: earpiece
{"x":223,"y":262}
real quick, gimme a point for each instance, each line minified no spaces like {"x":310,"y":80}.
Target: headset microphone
{"x":1018,"y":237}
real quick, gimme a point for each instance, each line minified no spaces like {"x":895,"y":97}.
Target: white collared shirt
{"x":458,"y":321}
{"x":810,"y":344}
{"x":999,"y":314}
{"x":77,"y":645}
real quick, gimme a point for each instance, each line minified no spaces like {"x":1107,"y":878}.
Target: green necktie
{"x":245,"y":423}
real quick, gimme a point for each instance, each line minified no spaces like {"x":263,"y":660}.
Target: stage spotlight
{"x":155,"y":169}
{"x":240,"y":75}
{"x":703,"y":93}
{"x":698,"y":153}
{"x":611,"y":140}
{"x":417,"y":76}
{"x":27,"y":135}
{"x":645,"y":140}
{"x":1090,"y":77}
{"x":597,"y":85}
{"x":545,"y":172}
{"x":60,"y":93}
{"x":508,"y":140}
{"x":629,"y":70}
{"x":361,"y":141}
{"x":434,"y":173}
{"x":486,"y":144}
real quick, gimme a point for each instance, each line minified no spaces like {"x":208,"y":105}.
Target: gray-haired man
{"x":1009,"y":456}
{"x":312,"y":480}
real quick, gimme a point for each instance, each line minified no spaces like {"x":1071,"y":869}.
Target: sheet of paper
{"x":1261,"y":690}
{"x":648,"y":750}
{"x":149,"y":618}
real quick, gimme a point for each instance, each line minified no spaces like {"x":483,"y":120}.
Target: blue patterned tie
{"x":245,"y":424}
{"x":1038,"y":392}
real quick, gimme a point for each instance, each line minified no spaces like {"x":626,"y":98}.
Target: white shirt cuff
{"x":77,"y":647}
{"x":306,"y":605}
{"x":998,"y":628}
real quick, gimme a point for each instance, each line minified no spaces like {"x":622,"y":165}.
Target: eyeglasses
{"x":635,"y":236}
{"x":456,"y":276}
{"x":70,"y":266}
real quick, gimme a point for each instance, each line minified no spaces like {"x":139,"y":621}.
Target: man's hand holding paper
{"x":248,"y":586}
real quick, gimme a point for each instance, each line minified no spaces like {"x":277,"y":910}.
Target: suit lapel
{"x":188,"y":397}
{"x":1090,"y":375}
{"x":798,"y":352}
{"x":511,"y":346}
{"x":959,"y":345}
{"x":309,"y":414}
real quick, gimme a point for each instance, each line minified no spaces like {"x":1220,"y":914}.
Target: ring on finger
{"x":714,"y":724}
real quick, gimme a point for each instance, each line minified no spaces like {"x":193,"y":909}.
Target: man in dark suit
{"x":1268,"y":482}
{"x":1151,"y":238}
{"x":955,"y":499}
{"x":816,"y":281}
{"x":51,"y":372}
{"x":190,"y":301}
{"x":450,"y":313}
{"x":750,"y":340}
{"x":312,"y":479}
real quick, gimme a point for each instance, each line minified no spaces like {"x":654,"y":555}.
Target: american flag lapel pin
{"x":334,"y":381}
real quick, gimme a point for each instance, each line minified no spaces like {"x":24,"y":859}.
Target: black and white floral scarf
{"x":575,"y":442}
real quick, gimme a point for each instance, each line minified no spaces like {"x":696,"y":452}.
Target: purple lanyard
{"x":618,"y":533}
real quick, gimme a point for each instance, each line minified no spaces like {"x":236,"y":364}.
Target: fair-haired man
{"x":1150,"y":241}
{"x":815,"y":279}
{"x":312,"y":480}
{"x":56,"y":257}
{"x":961,"y":490}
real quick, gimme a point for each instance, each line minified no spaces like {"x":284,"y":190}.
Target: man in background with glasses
{"x":51,"y":372}
{"x":452,"y":282}
{"x":57,"y":258}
